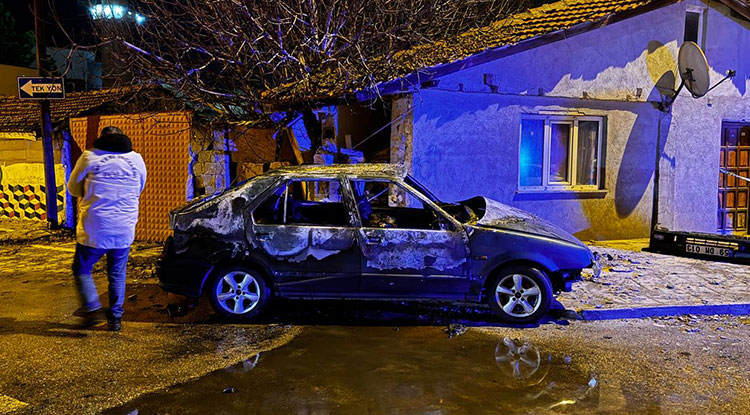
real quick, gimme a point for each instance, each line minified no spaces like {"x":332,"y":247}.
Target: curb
{"x":624,"y":313}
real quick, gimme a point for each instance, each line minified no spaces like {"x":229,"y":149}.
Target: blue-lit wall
{"x":466,"y":137}
{"x":471,"y":147}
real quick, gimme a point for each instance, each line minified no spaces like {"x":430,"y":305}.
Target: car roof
{"x":362,"y":169}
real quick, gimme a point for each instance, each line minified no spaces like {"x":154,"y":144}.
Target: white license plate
{"x":708,"y":250}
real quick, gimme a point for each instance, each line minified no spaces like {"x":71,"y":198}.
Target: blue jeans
{"x":83,"y":265}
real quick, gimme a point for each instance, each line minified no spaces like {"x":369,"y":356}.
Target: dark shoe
{"x":113,"y":324}
{"x":90,"y":318}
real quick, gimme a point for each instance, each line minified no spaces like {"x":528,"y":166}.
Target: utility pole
{"x":46,"y":118}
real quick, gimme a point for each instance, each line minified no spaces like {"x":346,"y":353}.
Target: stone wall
{"x":209,"y":162}
{"x":402,"y":126}
{"x":222,"y":157}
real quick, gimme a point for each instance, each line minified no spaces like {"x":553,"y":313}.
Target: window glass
{"x":588,"y":139}
{"x":567,"y":148}
{"x":304,"y":202}
{"x":559,"y":145}
{"x":745,"y":136}
{"x":384,"y":204}
{"x":532,"y":152}
{"x":692,"y":24}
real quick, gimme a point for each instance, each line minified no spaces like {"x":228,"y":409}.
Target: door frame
{"x":289,"y":281}
{"x":391,"y":278}
{"x":738,"y":195}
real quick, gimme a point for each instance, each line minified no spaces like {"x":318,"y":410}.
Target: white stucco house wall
{"x":568,"y":124}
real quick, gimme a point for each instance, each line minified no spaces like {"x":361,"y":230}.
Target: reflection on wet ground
{"x":386,"y":370}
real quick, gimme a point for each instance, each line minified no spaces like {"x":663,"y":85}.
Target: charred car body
{"x":366,"y":232}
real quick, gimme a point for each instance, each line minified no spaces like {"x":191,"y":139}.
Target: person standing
{"x":108,"y":181}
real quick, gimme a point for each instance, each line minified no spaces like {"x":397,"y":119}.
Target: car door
{"x":303,"y":232}
{"x":410,"y":248}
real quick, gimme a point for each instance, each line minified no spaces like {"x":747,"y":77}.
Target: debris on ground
{"x":593,"y":383}
{"x":632,"y":278}
{"x":455,"y":330}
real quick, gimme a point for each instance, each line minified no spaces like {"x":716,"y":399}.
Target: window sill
{"x":556,"y":194}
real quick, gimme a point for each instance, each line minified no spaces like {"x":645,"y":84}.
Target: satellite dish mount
{"x":694,"y":72}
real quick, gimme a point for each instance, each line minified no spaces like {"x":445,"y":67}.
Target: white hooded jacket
{"x":108,"y":186}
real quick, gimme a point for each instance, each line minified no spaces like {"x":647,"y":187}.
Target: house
{"x":563,"y":110}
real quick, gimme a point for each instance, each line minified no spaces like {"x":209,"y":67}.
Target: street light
{"x":114,"y":11}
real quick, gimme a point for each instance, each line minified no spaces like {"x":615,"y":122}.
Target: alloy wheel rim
{"x":238,"y":292}
{"x":518,"y":295}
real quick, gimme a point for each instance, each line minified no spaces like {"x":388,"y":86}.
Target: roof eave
{"x":413,"y":80}
{"x":738,"y":6}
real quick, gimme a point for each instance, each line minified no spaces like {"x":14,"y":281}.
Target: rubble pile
{"x":633,"y":278}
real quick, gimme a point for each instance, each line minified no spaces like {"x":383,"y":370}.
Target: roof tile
{"x":24,"y":115}
{"x":516,"y":28}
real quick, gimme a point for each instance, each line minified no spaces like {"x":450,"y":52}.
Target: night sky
{"x":73,"y":14}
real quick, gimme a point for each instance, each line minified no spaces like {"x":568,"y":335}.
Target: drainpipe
{"x":68,"y":166}
{"x":655,"y":201}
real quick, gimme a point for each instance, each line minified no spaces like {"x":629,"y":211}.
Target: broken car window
{"x":304,"y":202}
{"x":385,"y":204}
{"x":271,"y":212}
{"x":411,"y":181}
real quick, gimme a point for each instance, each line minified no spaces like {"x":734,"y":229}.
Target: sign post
{"x":44,"y":89}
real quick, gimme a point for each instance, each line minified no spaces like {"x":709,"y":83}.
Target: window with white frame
{"x":560,"y":152}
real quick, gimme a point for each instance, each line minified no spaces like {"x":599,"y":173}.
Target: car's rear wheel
{"x":239,"y":292}
{"x":520,"y":294}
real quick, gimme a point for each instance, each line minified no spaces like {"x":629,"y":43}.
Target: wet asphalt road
{"x":348,"y":357}
{"x":600,"y":367}
{"x":50,"y":366}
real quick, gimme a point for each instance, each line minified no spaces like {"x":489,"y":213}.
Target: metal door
{"x":307,"y":256}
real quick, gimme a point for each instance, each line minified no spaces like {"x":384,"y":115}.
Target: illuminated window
{"x":559,"y":153}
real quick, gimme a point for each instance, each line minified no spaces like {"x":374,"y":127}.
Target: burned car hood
{"x":493,"y":214}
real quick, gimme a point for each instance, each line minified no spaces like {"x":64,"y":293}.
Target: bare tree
{"x":229,"y":54}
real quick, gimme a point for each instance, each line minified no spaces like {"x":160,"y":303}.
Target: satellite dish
{"x":693,"y":67}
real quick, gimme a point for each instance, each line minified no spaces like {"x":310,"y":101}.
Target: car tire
{"x":520,"y":306}
{"x":239,"y":292}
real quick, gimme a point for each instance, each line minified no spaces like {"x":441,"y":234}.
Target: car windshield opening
{"x":411,"y":181}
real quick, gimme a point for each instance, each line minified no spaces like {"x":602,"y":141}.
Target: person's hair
{"x":111,"y":130}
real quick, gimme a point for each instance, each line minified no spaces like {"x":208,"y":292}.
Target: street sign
{"x":34,"y":87}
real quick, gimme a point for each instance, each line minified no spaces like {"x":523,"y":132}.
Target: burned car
{"x":367,"y":231}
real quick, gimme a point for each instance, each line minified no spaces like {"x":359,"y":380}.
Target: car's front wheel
{"x":520,"y":294}
{"x":239,"y":292}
